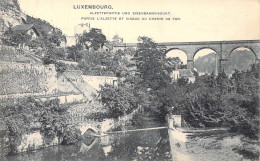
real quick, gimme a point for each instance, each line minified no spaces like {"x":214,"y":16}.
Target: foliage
{"x":146,"y":78}
{"x":93,"y":39}
{"x":119,"y":100}
{"x":29,"y":115}
{"x":71,"y":135}
{"x":182,"y":81}
{"x":99,"y":115}
{"x":104,"y":63}
{"x":49,"y":34}
{"x":51,"y":120}
{"x":221,"y":101}
{"x":154,"y":74}
{"x":12,"y":38}
{"x":238,"y":60}
{"x":74,"y":53}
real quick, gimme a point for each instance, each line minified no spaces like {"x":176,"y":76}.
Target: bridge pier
{"x":223,"y":64}
{"x":190,"y":64}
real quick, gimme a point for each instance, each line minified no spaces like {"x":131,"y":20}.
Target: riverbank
{"x":34,"y":139}
{"x":211,"y":144}
{"x":139,"y":145}
{"x":203,"y":144}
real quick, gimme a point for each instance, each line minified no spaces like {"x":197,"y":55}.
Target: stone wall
{"x":70,"y":98}
{"x":96,"y":81}
{"x":20,"y":78}
{"x":34,"y":141}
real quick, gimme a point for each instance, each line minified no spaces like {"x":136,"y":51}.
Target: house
{"x":186,"y":73}
{"x":175,"y":75}
{"x":71,"y":40}
{"x":116,"y":40}
{"x":107,"y":47}
{"x":26,"y":29}
{"x":80,"y":29}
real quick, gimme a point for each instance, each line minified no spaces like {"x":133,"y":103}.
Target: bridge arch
{"x":240,"y":58}
{"x":176,"y":52}
{"x":175,"y":48}
{"x":243,"y":47}
{"x":204,"y":48}
{"x":83,"y":128}
{"x":212,"y":63}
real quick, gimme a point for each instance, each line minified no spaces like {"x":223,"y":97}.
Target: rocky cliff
{"x":10,"y":14}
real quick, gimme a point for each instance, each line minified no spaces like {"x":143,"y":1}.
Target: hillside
{"x":205,"y":64}
{"x":42,"y":26}
{"x":239,"y":59}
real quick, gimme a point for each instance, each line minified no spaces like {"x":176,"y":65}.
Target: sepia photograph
{"x":136,"y":80}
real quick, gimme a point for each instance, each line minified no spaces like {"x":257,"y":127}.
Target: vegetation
{"x":221,"y":101}
{"x":12,"y":38}
{"x":209,"y":102}
{"x":119,"y":100}
{"x":212,"y":101}
{"x":29,"y":115}
{"x":144,"y":85}
{"x":238,"y":59}
{"x":71,"y":135}
{"x":93,"y":39}
{"x":104,"y":63}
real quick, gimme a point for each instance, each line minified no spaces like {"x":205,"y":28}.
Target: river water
{"x":134,"y":145}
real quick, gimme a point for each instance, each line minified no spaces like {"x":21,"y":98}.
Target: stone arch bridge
{"x":84,"y":124}
{"x":222,"y":48}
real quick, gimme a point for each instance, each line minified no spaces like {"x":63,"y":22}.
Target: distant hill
{"x":205,"y":64}
{"x":239,"y":59}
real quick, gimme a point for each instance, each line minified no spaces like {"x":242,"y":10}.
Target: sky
{"x":200,"y":20}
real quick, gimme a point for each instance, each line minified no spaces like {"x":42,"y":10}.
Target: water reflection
{"x":141,"y":145}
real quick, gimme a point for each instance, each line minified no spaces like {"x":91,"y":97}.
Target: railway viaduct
{"x":223,"y":49}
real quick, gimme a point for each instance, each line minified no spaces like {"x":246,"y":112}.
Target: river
{"x":134,"y":145}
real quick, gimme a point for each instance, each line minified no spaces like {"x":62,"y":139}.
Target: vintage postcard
{"x":173,"y":80}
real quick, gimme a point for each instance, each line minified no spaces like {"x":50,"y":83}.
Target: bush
{"x":71,"y":135}
{"x":21,"y":118}
{"x":222,"y":102}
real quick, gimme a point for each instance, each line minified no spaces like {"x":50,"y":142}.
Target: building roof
{"x":185,"y":72}
{"x":24,"y":28}
{"x":108,"y":45}
{"x":73,"y":73}
{"x":116,"y":37}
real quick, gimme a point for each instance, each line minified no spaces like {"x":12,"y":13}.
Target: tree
{"x":95,"y":39}
{"x":12,"y":38}
{"x":154,"y":75}
{"x":151,"y":64}
{"x":74,"y":52}
{"x":56,"y":37}
{"x":182,"y":81}
{"x":119,"y":100}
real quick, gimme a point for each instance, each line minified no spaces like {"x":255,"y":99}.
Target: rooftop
{"x":185,"y":72}
{"x":24,"y":28}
